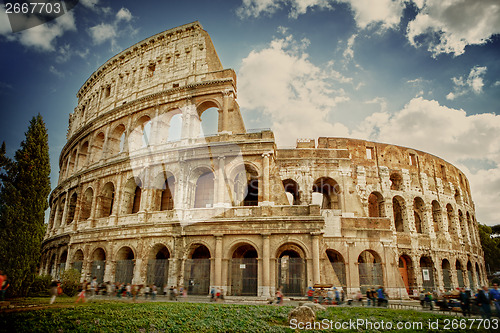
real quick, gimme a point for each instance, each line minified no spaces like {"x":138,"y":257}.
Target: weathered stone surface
{"x":302,"y":314}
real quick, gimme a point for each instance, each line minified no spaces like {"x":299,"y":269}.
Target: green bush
{"x":41,"y":285}
{"x":70,"y":280}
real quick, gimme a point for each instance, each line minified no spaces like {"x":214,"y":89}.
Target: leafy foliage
{"x":70,"y":280}
{"x":491,"y":248}
{"x":25,"y":186}
{"x":41,"y":285}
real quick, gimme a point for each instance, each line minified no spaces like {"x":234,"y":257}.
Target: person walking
{"x":465,"y":302}
{"x":381,"y":297}
{"x":81,"y":293}
{"x":93,"y":287}
{"x":154,"y":291}
{"x":495,"y":297}
{"x":279,"y":296}
{"x":54,"y":286}
{"x":484,"y":302}
{"x":310,"y":294}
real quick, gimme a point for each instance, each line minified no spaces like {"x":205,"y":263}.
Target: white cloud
{"x":56,"y":72}
{"x":102,"y":32}
{"x":474,"y":82}
{"x":450,"y":134}
{"x":89,"y":3}
{"x":284,"y":85}
{"x":449,"y":26}
{"x":124,"y":14}
{"x":387,"y":13}
{"x":349,"y":51}
{"x":254,"y":8}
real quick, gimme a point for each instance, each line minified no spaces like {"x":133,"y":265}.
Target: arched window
{"x":330,"y":191}
{"x":209,"y":122}
{"x":106,"y":200}
{"x":292,"y":191}
{"x":86,"y":206}
{"x":204,"y":195}
{"x":451,"y":218}
{"x":116,"y":141}
{"x":419,"y":214}
{"x":167,"y":194}
{"x":398,"y":209}
{"x":83,"y":154}
{"x":338,"y":266}
{"x":436,"y":215}
{"x":376,"y":205}
{"x":97,"y":147}
{"x":132,"y":193}
{"x":396,"y":181}
{"x":175,"y":128}
{"x":71,"y":208}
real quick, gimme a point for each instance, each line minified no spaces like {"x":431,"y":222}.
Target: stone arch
{"x":292,"y":276}
{"x":478,"y":275}
{"x":60,"y":210}
{"x":207,"y":104}
{"x":244,"y":269}
{"x":53,"y":266}
{"x":98,"y":264}
{"x":204,"y":188}
{"x":450,"y":215}
{"x":106,"y":200}
{"x":463,"y":225}
{"x":338,"y":265}
{"x":292,"y":191}
{"x":140,"y":137}
{"x":86,"y":205}
{"x":71,"y":208}
{"x":97,"y":147}
{"x":174,"y":121}
{"x":116,"y":140}
{"x":131,"y":196}
{"x":470,"y":275}
{"x":396,"y":181}
{"x":77,"y":262}
{"x":419,"y":214}
{"x":209,"y":122}
{"x":460,"y":274}
{"x":407,"y":271}
{"x":370,"y":270}
{"x":399,"y":213}
{"x":125,"y":262}
{"x":72,"y":163}
{"x":376,"y":205}
{"x":427,"y":270}
{"x":446,"y":271}
{"x":330,"y":191}
{"x":246,"y":186}
{"x":197,"y":269}
{"x":158,"y":265}
{"x":437,"y":217}
{"x":83,"y":155}
{"x":61,"y":265}
{"x":458,"y":197}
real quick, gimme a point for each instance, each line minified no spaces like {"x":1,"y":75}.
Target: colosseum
{"x":146,"y":196}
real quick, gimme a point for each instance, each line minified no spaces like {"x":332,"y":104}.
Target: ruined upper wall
{"x":171,"y":59}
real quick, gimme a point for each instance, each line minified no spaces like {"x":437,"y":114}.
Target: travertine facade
{"x":144,"y":198}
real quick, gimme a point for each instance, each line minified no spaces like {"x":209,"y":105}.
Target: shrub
{"x":41,"y":285}
{"x":70,"y":280}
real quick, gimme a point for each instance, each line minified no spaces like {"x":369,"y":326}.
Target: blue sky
{"x":421,"y":73}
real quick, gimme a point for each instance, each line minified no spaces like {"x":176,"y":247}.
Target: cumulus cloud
{"x":449,"y":26}
{"x":283,"y":84}
{"x":386,"y":13}
{"x":104,"y":32}
{"x":254,"y":8}
{"x":451,"y":134}
{"x":474,"y":82}
{"x":123,"y":14}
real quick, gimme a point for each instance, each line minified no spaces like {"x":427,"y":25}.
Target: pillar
{"x":225,"y":112}
{"x":315,"y":257}
{"x":218,"y":261}
{"x":221,"y":184}
{"x":265,"y":179}
{"x":265,"y":288}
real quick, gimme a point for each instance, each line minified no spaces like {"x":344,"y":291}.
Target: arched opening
{"x":330,"y":191}
{"x":78,"y":261}
{"x":396,"y":181}
{"x":252,"y":187}
{"x":436,"y":215}
{"x":458,"y":197}
{"x":131,"y":202}
{"x":292,"y":191}
{"x":106,"y":200}
{"x":209,"y":122}
{"x":370,"y":270}
{"x":98,"y":265}
{"x":470,"y":276}
{"x":61,"y":267}
{"x":53,"y":267}
{"x":376,"y":205}
{"x":460,"y":274}
{"x":125,"y":265}
{"x":204,"y":195}
{"x":116,"y":141}
{"x":407,"y":272}
{"x":291,"y":270}
{"x":86,"y":206}
{"x":398,"y":210}
{"x":97,"y":147}
{"x":82,"y":155}
{"x":470,"y":229}
{"x":463,"y":226}
{"x":175,"y":128}
{"x":167,"y":194}
{"x":338,"y":266}
{"x":244,"y":271}
{"x":478,"y":276}
{"x":140,"y":137}
{"x":60,"y":212}
{"x":158,"y":266}
{"x":427,"y":269}
{"x":446,"y":269}
{"x":197,"y":270}
{"x":71,"y":208}
{"x":419,"y":214}
{"x":450,"y":215}
{"x":72,"y":163}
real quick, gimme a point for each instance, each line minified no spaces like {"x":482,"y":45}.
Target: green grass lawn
{"x":111,"y":316}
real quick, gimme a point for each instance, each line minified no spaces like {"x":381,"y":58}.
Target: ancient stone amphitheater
{"x":145,"y":195}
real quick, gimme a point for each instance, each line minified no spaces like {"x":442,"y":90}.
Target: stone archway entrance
{"x":370,"y":270}
{"x":244,"y":268}
{"x":197,"y":271}
{"x":98,"y":265}
{"x":158,"y":266}
{"x":125,"y":265}
{"x":427,"y":269}
{"x":291,"y":270}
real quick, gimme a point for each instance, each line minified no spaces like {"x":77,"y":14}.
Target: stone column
{"x":315,"y":257}
{"x":221,"y":184}
{"x":265,"y":180}
{"x":265,"y":288}
{"x":225,"y":112}
{"x":218,"y":261}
